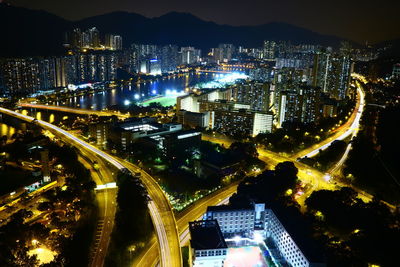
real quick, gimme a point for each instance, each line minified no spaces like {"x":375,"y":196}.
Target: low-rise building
{"x":207,"y":245}
{"x":126,"y":133}
{"x":218,"y":166}
{"x":251,"y":123}
{"x":174,"y":144}
{"x":258,"y":223}
{"x":238,"y":221}
{"x":194,"y":119}
{"x":232,"y":221}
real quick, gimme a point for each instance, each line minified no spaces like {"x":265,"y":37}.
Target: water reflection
{"x":136,"y":92}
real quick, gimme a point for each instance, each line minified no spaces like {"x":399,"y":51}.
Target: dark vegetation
{"x":326,"y":158}
{"x":133,"y":224}
{"x":354,"y":233}
{"x":178,"y":175}
{"x":336,"y":224}
{"x":12,"y":178}
{"x":67,"y":224}
{"x":373,"y":163}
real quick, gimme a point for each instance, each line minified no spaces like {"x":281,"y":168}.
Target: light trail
{"x":351,"y":131}
{"x":169,"y":244}
{"x":74,"y":110}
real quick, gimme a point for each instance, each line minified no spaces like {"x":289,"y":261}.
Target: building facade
{"x":207,"y":245}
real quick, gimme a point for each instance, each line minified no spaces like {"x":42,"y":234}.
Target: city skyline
{"x":352,"y":21}
{"x":174,"y":141}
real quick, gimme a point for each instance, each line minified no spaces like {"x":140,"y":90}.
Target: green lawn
{"x":164,"y":101}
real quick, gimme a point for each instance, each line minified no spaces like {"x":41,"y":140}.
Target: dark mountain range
{"x":389,"y":49}
{"x":29,"y":32}
{"x":185,"y":29}
{"x":32,"y":32}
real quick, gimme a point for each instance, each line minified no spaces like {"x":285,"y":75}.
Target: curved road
{"x":150,"y":256}
{"x":350,"y":128}
{"x":159,"y":207}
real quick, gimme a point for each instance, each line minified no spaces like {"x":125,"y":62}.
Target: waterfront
{"x":137,"y":93}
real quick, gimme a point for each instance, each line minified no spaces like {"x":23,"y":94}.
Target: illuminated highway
{"x":350,"y":128}
{"x":314,"y":179}
{"x":164,"y":222}
{"x":149,"y":256}
{"x":106,"y":200}
{"x":159,"y":207}
{"x":309,"y":176}
{"x":75,"y":110}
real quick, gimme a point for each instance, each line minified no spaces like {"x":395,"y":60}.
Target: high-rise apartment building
{"x":251,"y":123}
{"x":22,"y":76}
{"x":332,"y":74}
{"x":223,"y":53}
{"x":299,"y":105}
{"x":113,"y":42}
{"x":255,"y":94}
{"x":94,"y":37}
{"x":169,"y":58}
{"x":396,"y":71}
{"x":269,"y":50}
{"x":189,"y":55}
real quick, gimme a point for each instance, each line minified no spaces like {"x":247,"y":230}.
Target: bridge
{"x":80,"y":111}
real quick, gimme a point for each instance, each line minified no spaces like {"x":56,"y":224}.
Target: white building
{"x":207,"y":245}
{"x":259,"y":223}
{"x":262,"y":123}
{"x":234,"y":222}
{"x":287,"y":246}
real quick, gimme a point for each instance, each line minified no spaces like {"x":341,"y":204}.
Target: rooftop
{"x":206,"y":235}
{"x":228,"y":208}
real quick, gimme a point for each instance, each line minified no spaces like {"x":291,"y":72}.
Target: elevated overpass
{"x":160,"y":209}
{"x":79,"y":111}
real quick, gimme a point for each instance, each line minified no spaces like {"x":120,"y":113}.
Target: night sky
{"x":375,"y":20}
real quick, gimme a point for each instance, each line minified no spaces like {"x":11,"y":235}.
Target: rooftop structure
{"x":207,"y":245}
{"x":206,"y":235}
